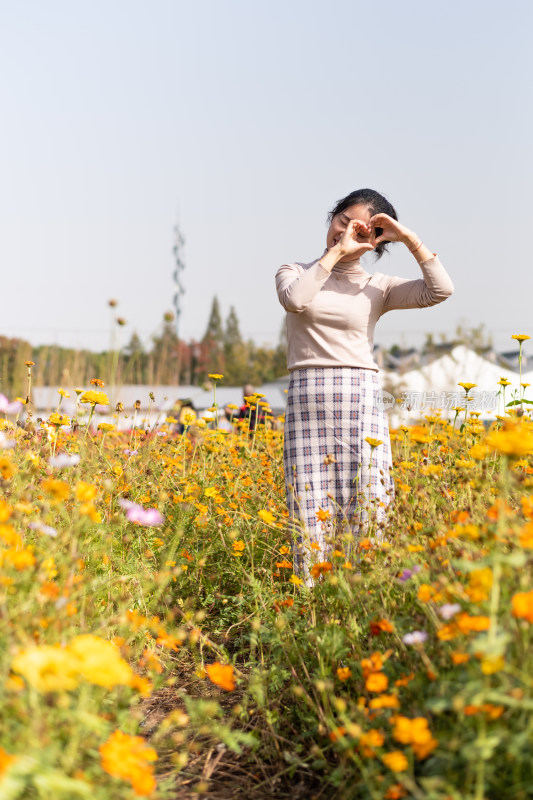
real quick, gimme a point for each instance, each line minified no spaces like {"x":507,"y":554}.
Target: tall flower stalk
{"x":520,"y":338}
{"x":215,"y":377}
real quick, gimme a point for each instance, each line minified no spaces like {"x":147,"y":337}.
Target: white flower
{"x":5,"y":443}
{"x":415,"y":637}
{"x":64,"y":460}
{"x":42,"y":528}
{"x":449,"y":610}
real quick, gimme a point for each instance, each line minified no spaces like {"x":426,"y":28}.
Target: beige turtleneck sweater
{"x":331,"y":316}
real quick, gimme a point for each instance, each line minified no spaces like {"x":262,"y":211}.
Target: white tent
{"x":435,"y":385}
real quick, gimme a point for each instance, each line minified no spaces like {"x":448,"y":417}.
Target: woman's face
{"x":340,"y":221}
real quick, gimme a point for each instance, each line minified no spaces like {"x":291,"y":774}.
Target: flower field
{"x":155,"y":641}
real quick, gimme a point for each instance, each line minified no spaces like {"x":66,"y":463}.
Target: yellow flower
{"x":504,"y":382}
{"x":215,"y":376}
{"x":478,"y":451}
{"x":467,"y":386}
{"x":48,"y":668}
{"x":58,"y":420}
{"x":100,"y":661}
{"x":238,"y":547}
{"x":5,"y":510}
{"x":295,"y":580}
{"x":94,"y":398}
{"x":129,"y":757}
{"x":105,"y":427}
{"x":6,"y":760}
{"x":492,"y":664}
{"x":373,"y":442}
{"x":7,"y":468}
{"x":85,"y":492}
{"x":63,"y":393}
{"x":520,"y":337}
{"x":395,"y":761}
{"x":58,"y":489}
{"x":267,"y":516}
{"x":513,"y":440}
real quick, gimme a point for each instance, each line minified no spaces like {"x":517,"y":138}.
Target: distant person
{"x":187,"y":415}
{"x":253,"y":412}
{"x":337,"y":453}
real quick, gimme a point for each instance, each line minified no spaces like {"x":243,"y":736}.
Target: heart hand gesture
{"x":355,"y":241}
{"x":387,"y":229}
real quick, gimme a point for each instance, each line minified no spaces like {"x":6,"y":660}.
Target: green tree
{"x":135,"y":360}
{"x":213,"y":340}
{"x":279,"y":364}
{"x":235,"y":351}
{"x":165,"y":353}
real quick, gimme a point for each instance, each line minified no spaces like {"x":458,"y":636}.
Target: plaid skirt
{"x":338,"y":485}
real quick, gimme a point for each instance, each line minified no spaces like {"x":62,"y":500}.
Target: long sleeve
{"x":433,"y":288}
{"x":297,"y":287}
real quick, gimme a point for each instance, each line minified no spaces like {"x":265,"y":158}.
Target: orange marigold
{"x":377,"y":682}
{"x":221,"y":675}
{"x":321,"y":569}
{"x":129,"y":757}
{"x":522,"y":603}
{"x":369,"y":741}
{"x":343,"y":673}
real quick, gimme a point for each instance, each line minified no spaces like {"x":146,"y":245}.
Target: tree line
{"x":167,"y":360}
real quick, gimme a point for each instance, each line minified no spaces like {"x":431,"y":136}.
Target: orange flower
{"x":321,"y":569}
{"x":377,"y":682}
{"x":5,"y":761}
{"x":385,"y":701}
{"x":129,"y":757}
{"x":425,"y":593}
{"x":221,"y":675}
{"x":381,"y":625}
{"x":523,"y":605}
{"x":343,"y":673}
{"x":395,"y":761}
{"x":323,"y":515}
{"x":369,"y":741}
{"x":58,"y":489}
{"x":460,"y":658}
{"x":416,"y":733}
{"x":526,"y":536}
{"x":395,"y":792}
{"x":337,"y":734}
{"x":5,"y":511}
{"x":466,"y":623}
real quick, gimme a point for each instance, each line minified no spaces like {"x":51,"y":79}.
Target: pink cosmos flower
{"x":9,"y":408}
{"x":415,"y":637}
{"x":150,"y":517}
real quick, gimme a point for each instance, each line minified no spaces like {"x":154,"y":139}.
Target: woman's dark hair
{"x":376,"y":204}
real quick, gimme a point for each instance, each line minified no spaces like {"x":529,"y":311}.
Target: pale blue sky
{"x":247,"y":121}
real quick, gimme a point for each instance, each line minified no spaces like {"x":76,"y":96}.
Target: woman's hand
{"x":352,"y":242}
{"x":387,"y":229}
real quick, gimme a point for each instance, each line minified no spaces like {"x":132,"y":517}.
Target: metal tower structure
{"x":179,"y":243}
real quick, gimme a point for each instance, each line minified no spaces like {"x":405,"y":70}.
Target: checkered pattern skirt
{"x":338,"y":486}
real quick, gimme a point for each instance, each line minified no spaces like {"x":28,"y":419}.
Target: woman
{"x":334,"y":476}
